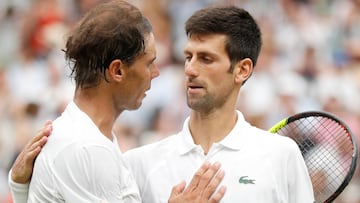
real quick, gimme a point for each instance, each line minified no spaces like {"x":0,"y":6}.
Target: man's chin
{"x":135,"y":106}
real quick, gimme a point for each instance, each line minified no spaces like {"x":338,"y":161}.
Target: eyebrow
{"x":202,"y":53}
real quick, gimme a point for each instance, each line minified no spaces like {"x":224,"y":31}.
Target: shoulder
{"x":272,"y":142}
{"x":262,"y":139}
{"x":152,"y":156}
{"x":158,"y":148}
{"x":75,"y":144}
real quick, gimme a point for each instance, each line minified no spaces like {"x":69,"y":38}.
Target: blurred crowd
{"x":310,"y":60}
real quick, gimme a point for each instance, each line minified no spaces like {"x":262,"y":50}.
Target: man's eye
{"x":206,"y":59}
{"x":187,"y":58}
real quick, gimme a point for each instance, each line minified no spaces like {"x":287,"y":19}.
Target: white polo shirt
{"x":260,"y":167}
{"x":79,"y":164}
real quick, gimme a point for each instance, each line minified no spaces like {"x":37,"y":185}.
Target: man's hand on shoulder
{"x":22,"y":168}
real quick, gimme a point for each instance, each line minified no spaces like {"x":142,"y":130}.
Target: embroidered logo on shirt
{"x":246,"y":180}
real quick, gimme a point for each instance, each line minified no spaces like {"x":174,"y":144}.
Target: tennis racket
{"x":329,"y":149}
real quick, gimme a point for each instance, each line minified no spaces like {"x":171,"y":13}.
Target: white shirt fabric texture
{"x":79,"y":164}
{"x":260,"y":167}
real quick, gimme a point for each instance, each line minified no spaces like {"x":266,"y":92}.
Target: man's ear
{"x":116,"y":70}
{"x":243,"y":70}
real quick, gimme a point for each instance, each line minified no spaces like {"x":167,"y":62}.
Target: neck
{"x":98,"y":107}
{"x":209,"y":128}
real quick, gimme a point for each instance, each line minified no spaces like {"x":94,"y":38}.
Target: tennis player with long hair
{"x":112,"y":53}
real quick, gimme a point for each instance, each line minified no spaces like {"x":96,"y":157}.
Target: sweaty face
{"x":140,"y":74}
{"x":209,"y":83}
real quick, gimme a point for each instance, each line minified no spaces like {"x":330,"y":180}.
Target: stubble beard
{"x":208,"y":102}
{"x":202,"y":104}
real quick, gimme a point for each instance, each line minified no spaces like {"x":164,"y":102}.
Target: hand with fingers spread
{"x":202,"y":186}
{"x":23,"y":166}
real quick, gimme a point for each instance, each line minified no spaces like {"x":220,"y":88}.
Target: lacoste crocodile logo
{"x":246,"y":180}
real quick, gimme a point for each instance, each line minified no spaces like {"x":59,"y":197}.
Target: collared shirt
{"x":79,"y":164}
{"x":260,"y":167}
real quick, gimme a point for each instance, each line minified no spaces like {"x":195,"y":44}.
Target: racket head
{"x":329,"y":149}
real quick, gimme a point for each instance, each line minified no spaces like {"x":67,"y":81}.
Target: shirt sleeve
{"x":300,"y":186}
{"x":19,"y":191}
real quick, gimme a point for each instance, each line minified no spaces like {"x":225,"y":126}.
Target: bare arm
{"x":24,"y":163}
{"x":21,"y":171}
{"x":202,"y":187}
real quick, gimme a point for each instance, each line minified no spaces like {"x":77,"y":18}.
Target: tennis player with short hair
{"x":221,"y":52}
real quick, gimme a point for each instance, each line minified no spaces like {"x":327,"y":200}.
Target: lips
{"x":193,"y":85}
{"x":146,"y":91}
{"x":194,"y":88}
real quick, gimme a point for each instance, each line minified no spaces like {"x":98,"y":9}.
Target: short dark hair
{"x":242,"y":31}
{"x":112,"y":30}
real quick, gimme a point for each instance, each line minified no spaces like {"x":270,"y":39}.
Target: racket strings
{"x":325,"y":145}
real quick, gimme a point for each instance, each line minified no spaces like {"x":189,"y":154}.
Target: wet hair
{"x":112,"y":30}
{"x":242,"y":32}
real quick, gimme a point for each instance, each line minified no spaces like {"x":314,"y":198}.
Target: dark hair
{"x":112,"y":30}
{"x":243,"y":33}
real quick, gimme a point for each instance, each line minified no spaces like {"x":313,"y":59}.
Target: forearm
{"x":19,"y":191}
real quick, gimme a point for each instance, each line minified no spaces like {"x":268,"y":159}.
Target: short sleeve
{"x":300,"y":186}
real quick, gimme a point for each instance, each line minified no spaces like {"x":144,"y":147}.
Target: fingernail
{"x":221,"y":173}
{"x":217,"y":164}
